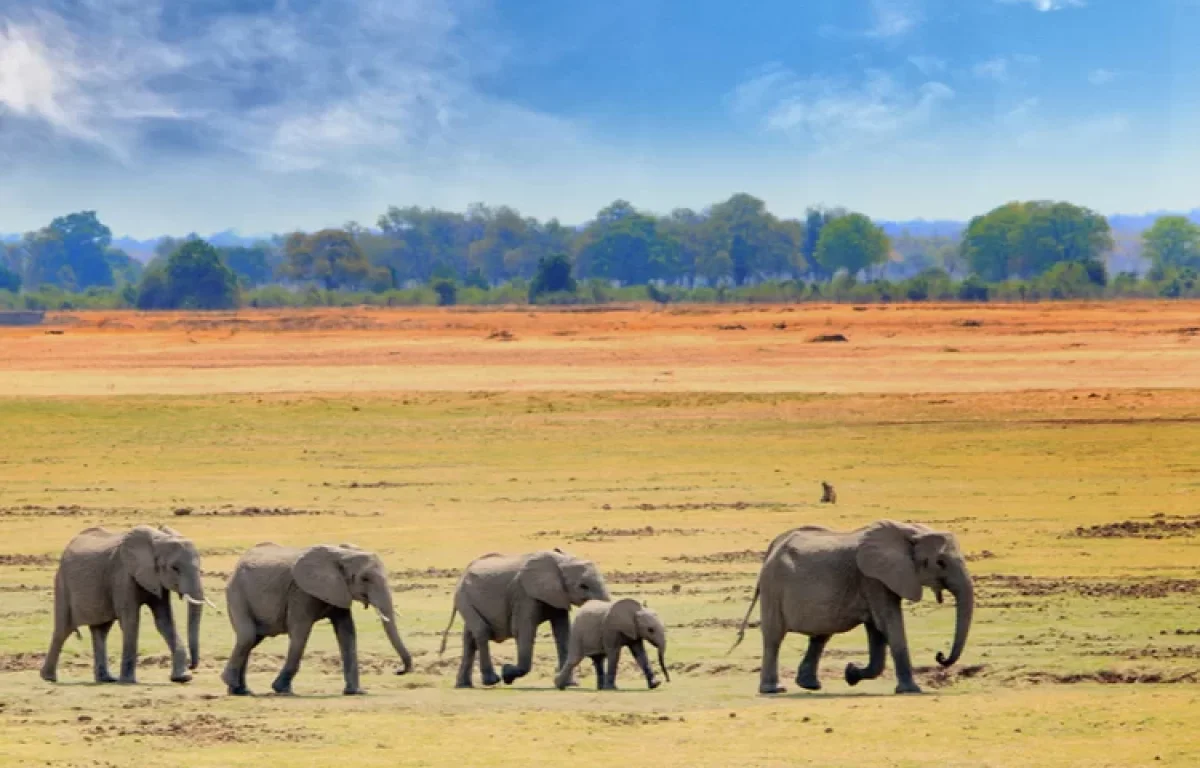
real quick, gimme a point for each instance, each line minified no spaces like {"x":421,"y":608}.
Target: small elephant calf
{"x":601,"y":629}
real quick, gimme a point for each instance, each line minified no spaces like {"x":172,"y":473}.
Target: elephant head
{"x":907,"y":558}
{"x":562,"y":580}
{"x":162,"y":559}
{"x":341,"y":575}
{"x":637,"y":622}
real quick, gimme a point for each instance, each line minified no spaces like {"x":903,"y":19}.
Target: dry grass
{"x":1076,"y":504}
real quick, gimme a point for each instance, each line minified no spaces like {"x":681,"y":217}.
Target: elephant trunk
{"x":381,"y":600}
{"x":662,"y":662}
{"x":964,"y":601}
{"x":195,"y":610}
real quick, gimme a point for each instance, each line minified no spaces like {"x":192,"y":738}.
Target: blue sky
{"x":268,"y":115}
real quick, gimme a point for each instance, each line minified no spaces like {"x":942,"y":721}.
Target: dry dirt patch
{"x":1157,"y":527}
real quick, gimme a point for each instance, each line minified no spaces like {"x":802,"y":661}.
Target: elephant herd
{"x":813,"y":581}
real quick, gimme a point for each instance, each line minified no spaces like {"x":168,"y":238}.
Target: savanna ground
{"x":1060,"y":443}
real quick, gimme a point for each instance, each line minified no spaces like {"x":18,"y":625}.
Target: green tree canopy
{"x":852,"y":243}
{"x":9,"y":280}
{"x":1172,"y":242}
{"x":330,"y":257}
{"x":198,"y":279}
{"x":553,"y":276}
{"x":252,"y":264}
{"x":626,"y":245}
{"x":1026,"y":239}
{"x":72,"y":252}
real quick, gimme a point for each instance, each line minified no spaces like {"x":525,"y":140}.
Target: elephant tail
{"x":446,"y":631}
{"x":742,"y":630}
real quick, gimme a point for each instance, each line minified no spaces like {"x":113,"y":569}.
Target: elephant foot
{"x":240,"y":690}
{"x":491,"y":678}
{"x":771,"y":689}
{"x":182,"y":678}
{"x":909,"y":687}
{"x":353,"y":692}
{"x":510,"y":674}
{"x":49,"y":676}
{"x":282,"y":689}
{"x":652,"y":684}
{"x":127,"y":680}
{"x":463,"y":684}
{"x":854,"y":675}
{"x":808,"y":682}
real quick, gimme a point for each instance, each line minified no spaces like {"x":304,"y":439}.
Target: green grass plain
{"x":1085,"y":651}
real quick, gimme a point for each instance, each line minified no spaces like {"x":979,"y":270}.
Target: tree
{"x":1025,"y":239}
{"x":9,"y":280}
{"x":251,"y":264}
{"x":758,"y":244}
{"x":330,"y":257}
{"x":72,"y":252}
{"x":196,"y":278}
{"x":1173,"y":241}
{"x":447,"y":292}
{"x":626,"y":245}
{"x":815,"y":220}
{"x":852,"y":243}
{"x":553,"y":276}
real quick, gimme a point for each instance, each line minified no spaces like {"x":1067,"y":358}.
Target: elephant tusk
{"x":383,"y":618}
{"x":938,"y":594}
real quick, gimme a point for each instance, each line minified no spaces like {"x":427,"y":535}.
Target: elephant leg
{"x":487,"y":670}
{"x":164,"y":621}
{"x":877,"y":645}
{"x":611,"y":662}
{"x":598,"y":664}
{"x":806,"y":674}
{"x":897,"y":640}
{"x":526,"y":632}
{"x":468,"y":660}
{"x":347,"y":638}
{"x":234,"y":675}
{"x":100,"y":671}
{"x":130,"y":619}
{"x":560,"y":625}
{"x":772,"y":638}
{"x":638,"y":649}
{"x":298,"y":631}
{"x":566,"y":672}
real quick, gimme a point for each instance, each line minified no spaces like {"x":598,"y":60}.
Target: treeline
{"x":735,"y":250}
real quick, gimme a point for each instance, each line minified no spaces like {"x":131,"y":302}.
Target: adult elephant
{"x":820,"y":582}
{"x":105,"y":577}
{"x":510,"y":596}
{"x":277,"y":589}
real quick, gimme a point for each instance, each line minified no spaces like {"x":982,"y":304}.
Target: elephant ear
{"x":886,"y":553}
{"x":928,"y":545}
{"x":623,"y":618}
{"x":319,"y":572}
{"x":137,"y":555}
{"x":542,"y":579}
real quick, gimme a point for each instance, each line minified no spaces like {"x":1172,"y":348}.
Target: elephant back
{"x":486,"y":592}
{"x":92,"y":541}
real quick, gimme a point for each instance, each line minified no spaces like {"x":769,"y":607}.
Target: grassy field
{"x":1060,"y":444}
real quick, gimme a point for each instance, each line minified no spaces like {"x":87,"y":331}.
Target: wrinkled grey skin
{"x":601,"y":629}
{"x":510,"y":596}
{"x":276,"y":590}
{"x":821,"y":583}
{"x":105,"y":577}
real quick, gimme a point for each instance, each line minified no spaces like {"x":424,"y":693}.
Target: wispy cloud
{"x":893,"y":18}
{"x":1101,"y":76}
{"x":1047,"y":5}
{"x":928,"y":65}
{"x":1003,"y":69}
{"x":351,"y":86}
{"x":835,"y":112}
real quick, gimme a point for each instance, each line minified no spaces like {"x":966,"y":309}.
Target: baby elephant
{"x":602,"y":629}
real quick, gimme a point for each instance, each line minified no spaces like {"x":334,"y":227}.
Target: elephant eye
{"x":941,"y":561}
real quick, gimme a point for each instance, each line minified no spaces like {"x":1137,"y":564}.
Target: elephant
{"x":510,"y":596}
{"x":820,"y":582}
{"x":276,"y":589}
{"x":601,"y":629}
{"x":105,"y":577}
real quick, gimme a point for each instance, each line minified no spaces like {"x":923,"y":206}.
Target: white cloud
{"x":1003,"y":69}
{"x":1101,"y":76}
{"x":893,"y":18}
{"x":833,"y":112}
{"x":1048,"y":5}
{"x":928,"y":65}
{"x":353,"y":87}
